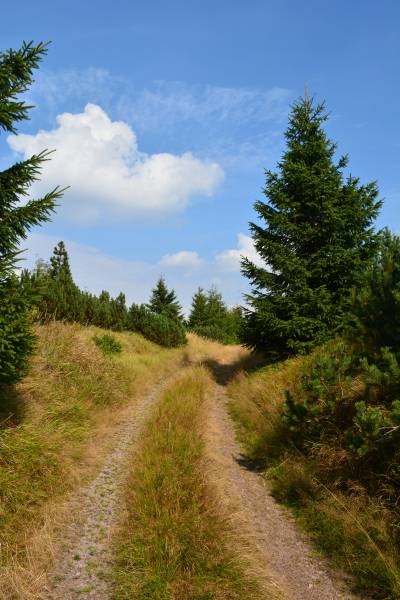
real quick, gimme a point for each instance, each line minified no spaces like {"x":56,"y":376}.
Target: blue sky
{"x":174,"y":110}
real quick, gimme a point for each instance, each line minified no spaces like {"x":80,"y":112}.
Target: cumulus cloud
{"x":100,"y":160}
{"x":184,"y":258}
{"x":229,"y":260}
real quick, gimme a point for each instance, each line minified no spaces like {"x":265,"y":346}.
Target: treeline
{"x":160,"y":320}
{"x":49,"y":292}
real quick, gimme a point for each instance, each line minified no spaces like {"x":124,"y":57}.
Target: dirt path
{"x":285,"y":559}
{"x":81,"y":571}
{"x":280,"y":548}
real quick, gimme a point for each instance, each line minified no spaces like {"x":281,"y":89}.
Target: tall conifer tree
{"x":315,"y":236}
{"x":16,"y":218}
{"x":199,"y":309}
{"x":64,"y":299}
{"x":164,"y":302}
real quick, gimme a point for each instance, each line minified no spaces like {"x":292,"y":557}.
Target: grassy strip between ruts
{"x":355,"y":530}
{"x":172,"y":543}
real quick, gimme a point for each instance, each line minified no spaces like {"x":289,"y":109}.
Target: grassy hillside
{"x":54,"y":430}
{"x":324,"y":486}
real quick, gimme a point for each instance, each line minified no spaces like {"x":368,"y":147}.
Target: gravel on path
{"x":82,"y":570}
{"x":280,"y":548}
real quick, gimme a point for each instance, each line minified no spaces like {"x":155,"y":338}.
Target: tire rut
{"x":282,"y":552}
{"x":81,"y":572}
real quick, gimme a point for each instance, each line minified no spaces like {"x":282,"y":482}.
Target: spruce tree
{"x":216,"y":308}
{"x":119,"y":312}
{"x":16,"y":218}
{"x":315,"y":236}
{"x":164,"y":302}
{"x":63,"y":299}
{"x":211,"y":318}
{"x":59,"y":262}
{"x":199,"y":311}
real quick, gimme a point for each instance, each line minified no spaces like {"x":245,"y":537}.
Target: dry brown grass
{"x":200,"y":350}
{"x":256,"y":402}
{"x":55,"y":432}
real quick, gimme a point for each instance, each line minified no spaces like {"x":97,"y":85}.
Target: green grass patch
{"x":108,"y":343}
{"x":172,"y":544}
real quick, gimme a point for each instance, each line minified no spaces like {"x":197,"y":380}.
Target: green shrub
{"x":107,"y":343}
{"x":320,"y":402}
{"x":374,"y":321}
{"x":211,"y":332}
{"x":16,"y":337}
{"x":156,"y":327}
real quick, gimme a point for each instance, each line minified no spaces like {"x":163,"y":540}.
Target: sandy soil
{"x":281,"y":551}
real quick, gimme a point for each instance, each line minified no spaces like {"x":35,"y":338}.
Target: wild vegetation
{"x":53,"y":434}
{"x":326,"y":427}
{"x":173,"y":544}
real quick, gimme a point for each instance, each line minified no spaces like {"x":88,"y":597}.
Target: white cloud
{"x":184,"y":258}
{"x":166,"y":103}
{"x":162,"y":104}
{"x":108,"y":175}
{"x":229,"y":260}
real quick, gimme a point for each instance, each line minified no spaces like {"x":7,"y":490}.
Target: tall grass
{"x":173,"y":544}
{"x":54,"y":431}
{"x":354,"y":529}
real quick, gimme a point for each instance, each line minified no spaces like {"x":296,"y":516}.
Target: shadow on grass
{"x":250,"y":464}
{"x":12,"y":406}
{"x":224,"y":373}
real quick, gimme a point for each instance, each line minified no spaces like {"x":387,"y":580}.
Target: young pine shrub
{"x":321,"y":402}
{"x":156,"y":327}
{"x":210,"y":332}
{"x":107,"y":344}
{"x":16,"y":336}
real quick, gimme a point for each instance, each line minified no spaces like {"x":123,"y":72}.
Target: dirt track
{"x":282,"y":558}
{"x":81,"y":571}
{"x":281,"y":551}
